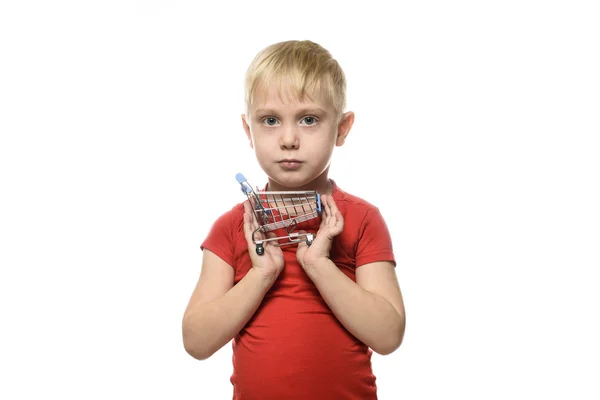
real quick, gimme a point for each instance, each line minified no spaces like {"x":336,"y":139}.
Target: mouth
{"x":290,"y":163}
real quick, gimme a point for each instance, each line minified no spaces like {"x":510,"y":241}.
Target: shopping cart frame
{"x":275,"y":210}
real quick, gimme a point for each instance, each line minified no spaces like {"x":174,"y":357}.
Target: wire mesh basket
{"x":281,"y":210}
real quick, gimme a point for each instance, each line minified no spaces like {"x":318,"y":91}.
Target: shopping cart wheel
{"x":260,"y":250}
{"x":309,"y":239}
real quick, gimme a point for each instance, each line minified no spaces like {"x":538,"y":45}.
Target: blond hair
{"x":304,"y":64}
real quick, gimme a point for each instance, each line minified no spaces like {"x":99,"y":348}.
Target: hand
{"x":272,"y":261}
{"x":332,"y":224}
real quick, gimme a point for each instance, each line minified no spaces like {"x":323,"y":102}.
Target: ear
{"x":344,"y":128}
{"x":247,"y":130}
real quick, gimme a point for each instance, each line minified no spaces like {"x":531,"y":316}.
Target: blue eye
{"x":270,"y":121}
{"x":310,"y":120}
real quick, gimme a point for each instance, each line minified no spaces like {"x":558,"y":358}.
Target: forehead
{"x":285,"y":94}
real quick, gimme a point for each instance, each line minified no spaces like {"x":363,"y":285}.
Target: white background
{"x":476,"y":134}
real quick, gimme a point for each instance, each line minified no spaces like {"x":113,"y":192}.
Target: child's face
{"x":293,"y":140}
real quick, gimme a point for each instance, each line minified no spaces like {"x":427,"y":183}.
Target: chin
{"x":291,"y":180}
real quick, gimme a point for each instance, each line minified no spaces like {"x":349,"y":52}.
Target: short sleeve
{"x":374,"y":241}
{"x":220,"y":238}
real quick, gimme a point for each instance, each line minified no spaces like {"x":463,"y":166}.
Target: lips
{"x":290,"y":163}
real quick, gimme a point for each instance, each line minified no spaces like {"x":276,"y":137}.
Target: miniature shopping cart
{"x":281,"y":210}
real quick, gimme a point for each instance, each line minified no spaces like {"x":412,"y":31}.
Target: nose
{"x":289,"y":138}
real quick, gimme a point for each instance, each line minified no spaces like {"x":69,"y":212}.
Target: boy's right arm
{"x":218,"y":309}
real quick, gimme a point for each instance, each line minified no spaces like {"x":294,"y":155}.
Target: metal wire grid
{"x":278,"y":210}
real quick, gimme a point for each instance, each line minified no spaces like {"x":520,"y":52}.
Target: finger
{"x":333,"y":209}
{"x":253,"y":221}
{"x":323,"y":219}
{"x":326,"y":209}
{"x":269,"y":246}
{"x":248,"y":210}
{"x":248,"y":228}
{"x":246,"y":216}
{"x":250,"y":224}
{"x":271,"y":235}
{"x":340,"y":221}
{"x":332,"y":206}
{"x":330,"y":212}
{"x":302,"y":244}
{"x":323,"y":211}
{"x":335,"y":218}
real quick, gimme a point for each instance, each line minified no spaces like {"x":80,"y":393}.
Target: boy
{"x":303,"y":319}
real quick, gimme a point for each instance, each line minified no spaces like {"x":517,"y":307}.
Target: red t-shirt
{"x":294,"y":347}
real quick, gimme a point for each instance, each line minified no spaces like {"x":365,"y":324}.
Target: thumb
{"x":248,"y":228}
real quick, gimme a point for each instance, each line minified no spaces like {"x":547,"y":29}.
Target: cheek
{"x":322,"y":149}
{"x":325,"y":142}
{"x":263,"y":149}
{"x":260,"y":144}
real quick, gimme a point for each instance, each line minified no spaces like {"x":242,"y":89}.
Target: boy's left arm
{"x":371,"y":309}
